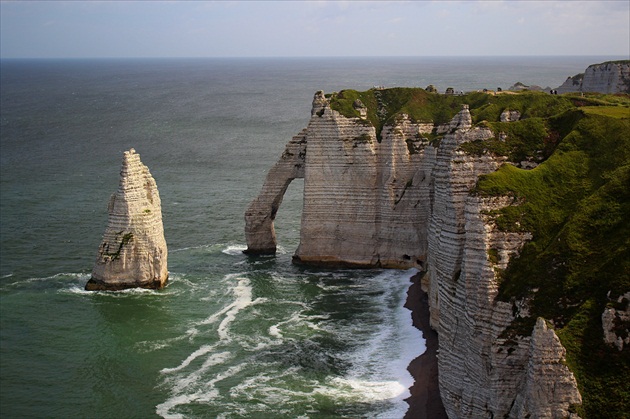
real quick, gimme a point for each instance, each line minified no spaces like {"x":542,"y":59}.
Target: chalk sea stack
{"x":133,"y":252}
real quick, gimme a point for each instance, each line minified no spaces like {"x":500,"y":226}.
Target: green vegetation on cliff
{"x":385,"y":105}
{"x":575,"y":202}
{"x":577,"y":205}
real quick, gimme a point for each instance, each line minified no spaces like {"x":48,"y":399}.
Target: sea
{"x":231,"y":336}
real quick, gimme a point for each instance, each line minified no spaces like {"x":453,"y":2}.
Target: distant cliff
{"x":515,"y":209}
{"x":608,"y":77}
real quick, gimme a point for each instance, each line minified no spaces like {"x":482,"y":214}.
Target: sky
{"x":78,"y":29}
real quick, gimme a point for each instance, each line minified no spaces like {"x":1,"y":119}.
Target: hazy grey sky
{"x":313,"y":28}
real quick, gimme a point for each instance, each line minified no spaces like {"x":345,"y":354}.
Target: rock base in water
{"x":96,"y":285}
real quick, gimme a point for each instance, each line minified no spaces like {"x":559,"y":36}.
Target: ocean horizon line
{"x":287,"y":57}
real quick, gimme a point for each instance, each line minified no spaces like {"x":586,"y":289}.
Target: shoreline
{"x":425,"y":400}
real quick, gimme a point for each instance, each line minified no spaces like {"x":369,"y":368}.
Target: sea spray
{"x":297,"y":356}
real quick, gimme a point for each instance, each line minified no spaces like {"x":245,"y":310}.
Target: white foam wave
{"x":199,"y":352}
{"x":150,"y":346}
{"x":164,"y":409}
{"x":270,"y":388}
{"x":75,"y":289}
{"x":184,"y":249}
{"x":121,"y":293}
{"x":242,"y":299}
{"x":379,"y":366}
{"x":275,"y":331}
{"x":188,"y":381}
{"x":226,"y":248}
{"x":234,"y":250}
{"x":281,"y":250}
{"x":61,"y":275}
{"x":357,"y":390}
{"x":204,"y":395}
{"x":296,"y":320}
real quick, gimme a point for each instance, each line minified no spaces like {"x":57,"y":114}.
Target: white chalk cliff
{"x":133,"y":252}
{"x":608,"y":77}
{"x":405,"y":201}
{"x":365,"y":202}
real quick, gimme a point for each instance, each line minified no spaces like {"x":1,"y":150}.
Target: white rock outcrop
{"x":406,"y":201}
{"x":133,"y":252}
{"x":364,"y":200}
{"x":616,"y":323}
{"x":483,"y":368}
{"x":259,"y":217}
{"x":509,"y":116}
{"x":608,"y":77}
{"x":549,"y":385}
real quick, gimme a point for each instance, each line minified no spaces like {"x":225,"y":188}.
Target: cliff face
{"x":402,"y":197}
{"x":133,"y":252}
{"x":609,"y":77}
{"x":484,"y":371}
{"x":366,"y":203}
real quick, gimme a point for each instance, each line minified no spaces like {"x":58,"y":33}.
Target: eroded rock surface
{"x":608,"y":77}
{"x":402,"y":198}
{"x":133,"y":252}
{"x":259,"y":217}
{"x":366,"y":202}
{"x":616,"y":323}
{"x":550,"y":388}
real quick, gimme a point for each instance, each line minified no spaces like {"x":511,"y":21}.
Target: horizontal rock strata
{"x":133,"y":252}
{"x":549,"y":385}
{"x":259,"y":217}
{"x":402,"y":197}
{"x":609,"y":77}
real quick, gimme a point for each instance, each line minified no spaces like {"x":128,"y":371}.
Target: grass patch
{"x":601,"y":371}
{"x":618,"y":112}
{"x":385,"y":106}
{"x":529,"y":104}
{"x":125,"y":239}
{"x":528,"y":139}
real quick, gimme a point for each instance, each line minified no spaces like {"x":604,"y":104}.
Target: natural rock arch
{"x":260,"y":216}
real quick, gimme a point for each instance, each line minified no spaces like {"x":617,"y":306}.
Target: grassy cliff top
{"x":615,"y":62}
{"x":384,"y":105}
